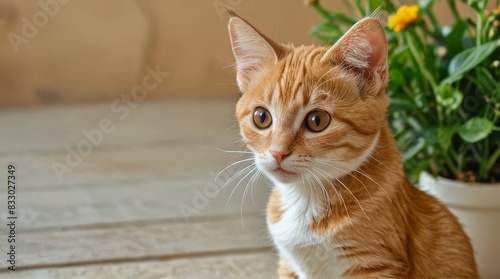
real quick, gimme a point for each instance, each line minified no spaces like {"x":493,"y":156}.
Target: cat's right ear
{"x":252,"y":50}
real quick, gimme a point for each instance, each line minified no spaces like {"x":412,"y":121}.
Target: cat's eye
{"x":317,"y":120}
{"x":262,"y":118}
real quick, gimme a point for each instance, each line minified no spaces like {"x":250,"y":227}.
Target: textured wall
{"x":76,"y":51}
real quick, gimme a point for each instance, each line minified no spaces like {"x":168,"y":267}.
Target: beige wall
{"x":89,"y":50}
{"x":96,"y":50}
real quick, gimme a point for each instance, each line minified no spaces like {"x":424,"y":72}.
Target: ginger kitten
{"x":341,"y":206}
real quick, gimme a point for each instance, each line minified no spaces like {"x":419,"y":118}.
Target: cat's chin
{"x":283,"y":176}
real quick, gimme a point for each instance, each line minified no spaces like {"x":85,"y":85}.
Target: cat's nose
{"x":279,"y":156}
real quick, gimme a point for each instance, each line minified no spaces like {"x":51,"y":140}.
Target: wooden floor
{"x":140,"y":202}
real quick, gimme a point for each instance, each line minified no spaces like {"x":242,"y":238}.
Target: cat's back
{"x":438,"y":245}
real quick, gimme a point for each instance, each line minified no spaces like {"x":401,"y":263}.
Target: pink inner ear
{"x":251,"y":49}
{"x":363,"y":47}
{"x":378,"y":57}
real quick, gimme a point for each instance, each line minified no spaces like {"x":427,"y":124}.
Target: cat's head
{"x":310,"y":111}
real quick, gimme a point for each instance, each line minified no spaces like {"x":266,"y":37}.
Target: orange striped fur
{"x":341,"y":205}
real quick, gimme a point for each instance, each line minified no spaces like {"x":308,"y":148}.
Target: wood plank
{"x":257,"y":265}
{"x":139,"y":241}
{"x":54,"y":128}
{"x":112,"y":202}
{"x":127,"y":203}
{"x":108,"y":165}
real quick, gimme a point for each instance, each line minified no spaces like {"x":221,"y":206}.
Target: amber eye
{"x":262,"y":118}
{"x":317,"y":120}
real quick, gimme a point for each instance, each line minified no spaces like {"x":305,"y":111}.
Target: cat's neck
{"x":379,"y":176}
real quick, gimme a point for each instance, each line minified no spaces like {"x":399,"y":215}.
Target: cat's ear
{"x":363,"y":48}
{"x":252,"y":50}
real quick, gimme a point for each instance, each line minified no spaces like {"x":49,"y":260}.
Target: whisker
{"x":325,"y":178}
{"x":232,"y":192}
{"x":333,"y":78}
{"x":310,"y":182}
{"x":302,"y":176}
{"x":252,"y":180}
{"x":234,"y":151}
{"x":347,"y":173}
{"x":374,"y":158}
{"x":325,"y":192}
{"x":339,"y":196}
{"x":235,"y":163}
{"x":244,"y":195}
{"x":357,"y":171}
{"x":371,"y":179}
{"x":326,"y":202}
{"x":235,"y":175}
{"x":359,"y":204}
{"x":315,"y":84}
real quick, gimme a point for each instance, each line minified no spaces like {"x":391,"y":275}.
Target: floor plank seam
{"x":113,"y":147}
{"x":140,"y":223}
{"x":131,"y":180}
{"x":164,"y":258}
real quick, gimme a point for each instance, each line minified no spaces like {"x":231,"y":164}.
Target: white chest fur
{"x":310,"y":255}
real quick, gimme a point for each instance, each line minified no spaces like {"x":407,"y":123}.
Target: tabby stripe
{"x":355,"y":126}
{"x":298,"y":80}
{"x":354,"y":254}
{"x":350,"y":146}
{"x":296,"y":91}
{"x":366,"y":271}
{"x":287,"y":66}
{"x":313,"y":56}
{"x":269,"y":95}
{"x":305,"y":97}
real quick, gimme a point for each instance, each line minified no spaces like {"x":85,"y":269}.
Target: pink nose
{"x":279,"y":156}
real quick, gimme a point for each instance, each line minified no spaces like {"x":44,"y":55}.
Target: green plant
{"x":444,"y":84}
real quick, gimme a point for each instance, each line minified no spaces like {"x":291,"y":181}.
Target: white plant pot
{"x":477,"y":207}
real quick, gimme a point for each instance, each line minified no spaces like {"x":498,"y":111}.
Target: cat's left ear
{"x":364,"y":49}
{"x":252,"y":50}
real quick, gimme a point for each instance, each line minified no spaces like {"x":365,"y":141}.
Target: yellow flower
{"x":403,"y":17}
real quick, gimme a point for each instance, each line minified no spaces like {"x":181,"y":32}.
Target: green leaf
{"x":449,"y":97}
{"x":340,"y":18}
{"x":475,"y":129}
{"x":360,"y":8}
{"x":468,"y":59}
{"x":489,"y":84}
{"x":401,"y":103}
{"x":418,"y":145}
{"x":334,"y":17}
{"x":454,"y":38}
{"x":445,"y":134}
{"x":397,"y":76}
{"x":326,"y":32}
{"x":477,"y":5}
{"x":406,"y":139}
{"x":431,"y":136}
{"x":374,"y":4}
